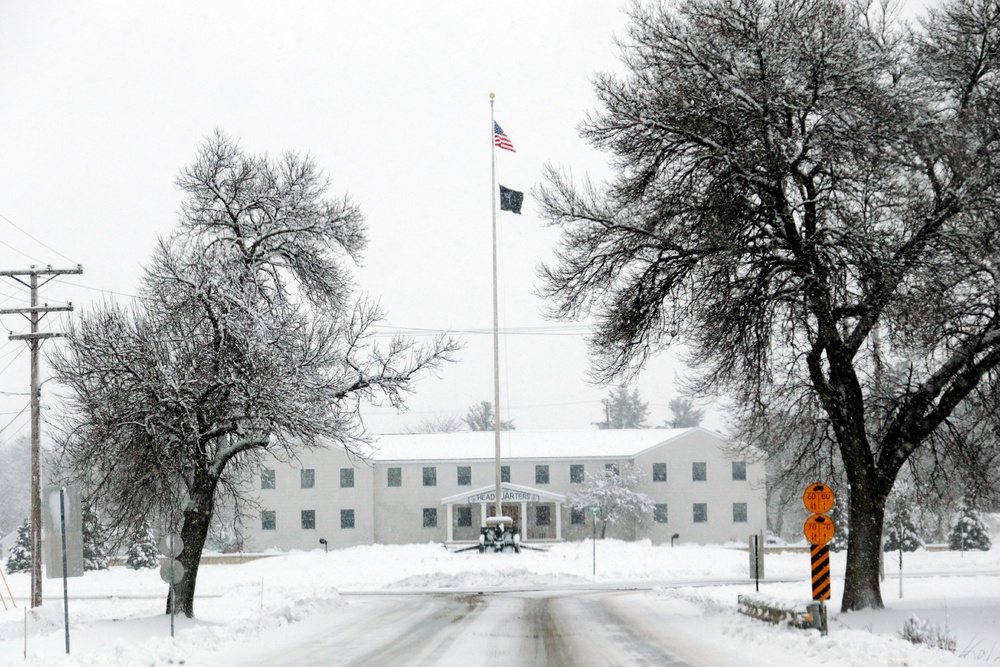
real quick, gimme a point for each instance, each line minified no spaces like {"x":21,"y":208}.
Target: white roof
{"x":472,"y":445}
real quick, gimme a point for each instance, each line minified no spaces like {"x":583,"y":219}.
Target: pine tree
{"x":969,"y":531}
{"x":142,"y":551}
{"x":95,"y":555}
{"x":839,"y":518}
{"x":20,"y":553}
{"x":901,"y":533}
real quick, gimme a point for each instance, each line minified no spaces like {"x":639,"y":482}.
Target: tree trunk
{"x":194,"y":532}
{"x":862,"y":587}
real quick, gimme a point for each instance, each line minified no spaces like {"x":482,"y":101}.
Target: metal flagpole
{"x":496,"y":335}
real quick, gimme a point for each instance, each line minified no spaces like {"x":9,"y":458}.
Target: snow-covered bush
{"x":918,"y":631}
{"x":142,"y":551}
{"x":20,"y":553}
{"x":969,"y":531}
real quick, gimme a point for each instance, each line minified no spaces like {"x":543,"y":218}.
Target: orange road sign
{"x":818,"y":529}
{"x":821,"y":572}
{"x":818,"y":498}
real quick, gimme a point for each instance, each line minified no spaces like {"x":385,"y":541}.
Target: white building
{"x":440,"y":487}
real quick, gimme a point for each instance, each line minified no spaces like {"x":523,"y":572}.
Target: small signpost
{"x":819,"y":530}
{"x":756,"y":549}
{"x":172,"y":571}
{"x":594,"y":511}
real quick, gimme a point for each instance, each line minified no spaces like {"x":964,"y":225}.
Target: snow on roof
{"x":471,"y":445}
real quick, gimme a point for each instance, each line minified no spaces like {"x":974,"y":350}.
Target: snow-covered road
{"x":550,"y":628}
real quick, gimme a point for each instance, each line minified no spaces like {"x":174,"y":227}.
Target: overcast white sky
{"x":101,"y":104}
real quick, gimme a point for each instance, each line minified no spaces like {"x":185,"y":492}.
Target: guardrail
{"x":781,"y":611}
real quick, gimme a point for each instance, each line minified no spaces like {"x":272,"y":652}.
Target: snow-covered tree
{"x":623,"y":409}
{"x":95,"y":542}
{"x":841,"y":528}
{"x":685,"y":414}
{"x":901,"y":532}
{"x":624,"y":509}
{"x":969,"y":531}
{"x":480,"y":418}
{"x":15,"y":483}
{"x":20,"y":554}
{"x":142,"y":551}
{"x":246,"y":339}
{"x":804,"y":194}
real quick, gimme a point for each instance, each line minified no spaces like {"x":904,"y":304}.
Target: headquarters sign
{"x":506,"y":495}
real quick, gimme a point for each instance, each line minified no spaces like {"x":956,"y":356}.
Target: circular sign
{"x":818,"y":498}
{"x":172,"y":571}
{"x":171,"y":545}
{"x":818,"y":529}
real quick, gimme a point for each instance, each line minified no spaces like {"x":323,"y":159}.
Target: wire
{"x":2,"y":430}
{"x":41,"y":243}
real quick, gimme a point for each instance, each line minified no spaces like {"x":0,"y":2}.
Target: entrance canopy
{"x":509,"y":493}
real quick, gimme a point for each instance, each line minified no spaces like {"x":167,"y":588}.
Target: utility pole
{"x":35,"y":313}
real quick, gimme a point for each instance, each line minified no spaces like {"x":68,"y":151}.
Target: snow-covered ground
{"x":116,"y":616}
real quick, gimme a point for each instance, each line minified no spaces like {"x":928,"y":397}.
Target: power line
{"x":39,"y":242}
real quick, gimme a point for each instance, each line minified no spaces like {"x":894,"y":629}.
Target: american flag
{"x":500,"y":140}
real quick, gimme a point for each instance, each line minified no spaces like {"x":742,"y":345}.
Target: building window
{"x":268,"y":520}
{"x":267,"y":478}
{"x":611,"y":467}
{"x":430,"y":515}
{"x":660,"y":513}
{"x":463,"y":517}
{"x":739,"y":471}
{"x":308,"y":519}
{"x":576,"y":473}
{"x":739,"y":512}
{"x":505,"y":474}
{"x":430,"y":476}
{"x":543,"y":515}
{"x":347,"y":478}
{"x":307,"y":478}
{"x":577,"y":516}
{"x":699,"y":472}
{"x":347,"y":519}
{"x":700,"y":512}
{"x":395,"y":477}
{"x":541,"y":474}
{"x":659,"y":472}
{"x":465,"y":475}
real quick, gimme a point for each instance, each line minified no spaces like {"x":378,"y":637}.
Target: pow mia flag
{"x":511,"y":200}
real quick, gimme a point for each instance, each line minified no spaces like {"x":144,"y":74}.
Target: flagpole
{"x":496,"y":335}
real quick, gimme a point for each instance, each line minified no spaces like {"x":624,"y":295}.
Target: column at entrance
{"x":559,"y":521}
{"x":451,"y":524}
{"x":524,"y":520}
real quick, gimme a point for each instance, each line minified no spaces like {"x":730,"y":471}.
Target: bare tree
{"x":806,"y":194}
{"x":15,"y":483}
{"x":244,"y":341}
{"x":438,"y":425}
{"x":625,"y":509}
{"x":480,"y":418}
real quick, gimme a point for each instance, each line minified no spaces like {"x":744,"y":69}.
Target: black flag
{"x":511,"y":200}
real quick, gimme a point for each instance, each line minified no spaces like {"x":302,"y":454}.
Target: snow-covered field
{"x":116,"y":616}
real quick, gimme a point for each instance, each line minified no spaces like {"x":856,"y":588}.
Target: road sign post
{"x":594,"y":511}
{"x":819,"y":529}
{"x":172,"y":571}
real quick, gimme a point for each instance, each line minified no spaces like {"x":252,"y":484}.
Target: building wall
{"x":395,"y":514}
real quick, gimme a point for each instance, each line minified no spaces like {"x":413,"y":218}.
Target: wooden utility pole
{"x":35,"y":313}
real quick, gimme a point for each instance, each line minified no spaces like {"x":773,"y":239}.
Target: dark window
{"x":739,"y":471}
{"x":577,"y":516}
{"x":347,"y":478}
{"x":465,"y":475}
{"x":268,"y":520}
{"x":576,"y":473}
{"x":659,"y":472}
{"x":430,"y":476}
{"x":543,"y":515}
{"x":347,"y":518}
{"x":395,"y":477}
{"x":307,"y":478}
{"x":739,"y":512}
{"x":700,"y":512}
{"x":611,"y":467}
{"x":541,"y":474}
{"x":463,"y":517}
{"x":505,"y":474}
{"x":699,"y":472}
{"x":267,"y":478}
{"x":430,"y":515}
{"x":660,"y":513}
{"x":308,"y":519}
